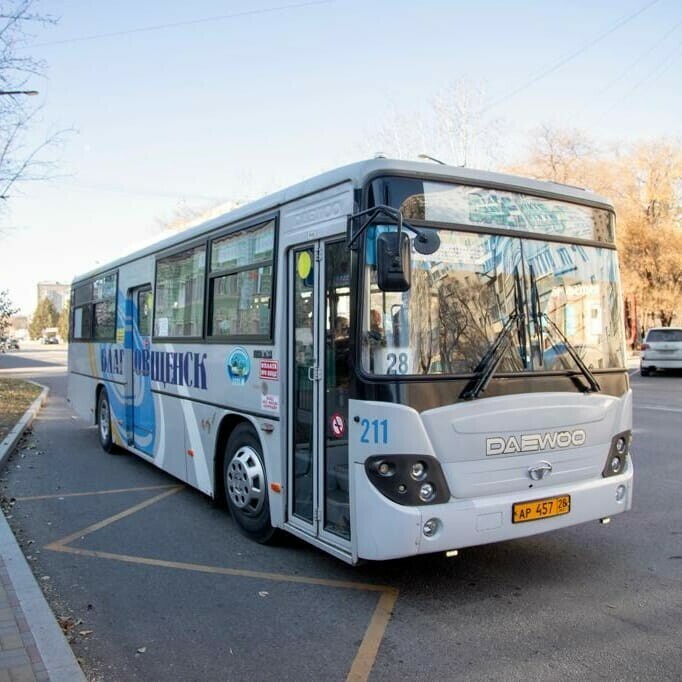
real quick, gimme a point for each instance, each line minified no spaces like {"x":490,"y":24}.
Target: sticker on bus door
{"x":338,"y":425}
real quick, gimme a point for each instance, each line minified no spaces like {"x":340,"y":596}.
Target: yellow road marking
{"x":114,"y":518}
{"x":61,"y":546}
{"x":369,"y":647}
{"x":32,"y":498}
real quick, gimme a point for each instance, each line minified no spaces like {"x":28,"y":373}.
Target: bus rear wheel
{"x":246,"y":486}
{"x":104,"y":422}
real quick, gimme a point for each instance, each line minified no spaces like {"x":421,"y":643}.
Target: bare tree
{"x":649,"y":199}
{"x":185,"y":215}
{"x":19,"y":161}
{"x":403,"y":134}
{"x":644,"y":181}
{"x":559,"y":154}
{"x":452,"y":126}
{"x":461,"y":129}
{"x":7,"y":309}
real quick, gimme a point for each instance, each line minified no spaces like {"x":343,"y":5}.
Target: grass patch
{"x":15,"y":398}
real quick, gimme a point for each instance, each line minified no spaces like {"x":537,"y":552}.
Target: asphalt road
{"x":161,"y":585}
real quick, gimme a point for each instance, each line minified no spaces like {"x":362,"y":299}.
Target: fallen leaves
{"x":68,"y":623}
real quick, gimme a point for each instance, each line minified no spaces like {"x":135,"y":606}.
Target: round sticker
{"x":238,"y":366}
{"x":338,"y":425}
{"x":304,"y":265}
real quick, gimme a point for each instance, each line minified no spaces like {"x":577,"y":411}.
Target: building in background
{"x":56,"y":292}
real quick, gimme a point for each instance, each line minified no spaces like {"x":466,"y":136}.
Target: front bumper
{"x":393,"y":530}
{"x":650,"y":363}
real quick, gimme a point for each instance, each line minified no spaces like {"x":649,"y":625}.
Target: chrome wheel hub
{"x":245,"y":480}
{"x":104,"y":419}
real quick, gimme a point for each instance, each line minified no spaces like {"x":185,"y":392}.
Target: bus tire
{"x":104,"y":422}
{"x":246,"y":486}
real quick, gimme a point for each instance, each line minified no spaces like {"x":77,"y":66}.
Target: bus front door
{"x":143,"y":431}
{"x":319,"y":327}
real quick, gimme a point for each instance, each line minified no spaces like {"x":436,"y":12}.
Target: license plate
{"x":541,"y":509}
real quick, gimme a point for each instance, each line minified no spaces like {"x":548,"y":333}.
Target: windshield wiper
{"x":538,"y":316}
{"x":490,"y":362}
{"x":591,"y":380}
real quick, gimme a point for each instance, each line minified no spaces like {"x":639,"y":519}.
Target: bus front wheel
{"x":246,"y":486}
{"x":104,"y":421}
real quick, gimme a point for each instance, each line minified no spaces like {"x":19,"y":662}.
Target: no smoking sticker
{"x":338,"y":425}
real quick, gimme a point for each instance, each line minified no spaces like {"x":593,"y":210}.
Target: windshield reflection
{"x":463,"y":294}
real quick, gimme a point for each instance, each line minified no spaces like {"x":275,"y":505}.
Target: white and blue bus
{"x":389,"y":359}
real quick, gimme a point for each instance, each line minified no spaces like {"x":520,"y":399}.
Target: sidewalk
{"x":32,"y":645}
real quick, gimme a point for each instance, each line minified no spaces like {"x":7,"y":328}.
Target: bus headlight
{"x":618,"y":453}
{"x":418,"y":471}
{"x":427,"y":492}
{"x":408,"y":479}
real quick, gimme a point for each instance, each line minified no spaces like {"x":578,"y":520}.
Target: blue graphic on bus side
{"x":111,"y":360}
{"x":112,"y":367}
{"x":238,"y":366}
{"x":143,"y":416}
{"x":183,"y":368}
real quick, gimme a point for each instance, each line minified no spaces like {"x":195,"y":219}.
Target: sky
{"x":171,"y":105}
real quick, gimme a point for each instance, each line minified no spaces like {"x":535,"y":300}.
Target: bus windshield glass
{"x":439,"y":202}
{"x":463,"y":294}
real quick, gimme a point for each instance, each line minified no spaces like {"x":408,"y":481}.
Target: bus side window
{"x":144,"y":312}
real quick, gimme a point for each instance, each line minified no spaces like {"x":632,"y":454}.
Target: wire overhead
{"x":564,"y":60}
{"x":628,"y":70}
{"x":658,"y":69}
{"x":189,"y":22}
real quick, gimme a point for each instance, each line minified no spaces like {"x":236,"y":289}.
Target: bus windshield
{"x":462,"y":296}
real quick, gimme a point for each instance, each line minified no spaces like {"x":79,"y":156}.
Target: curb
{"x":57,"y":655}
{"x":12,"y":438}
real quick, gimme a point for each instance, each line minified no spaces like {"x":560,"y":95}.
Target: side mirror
{"x":393,"y":261}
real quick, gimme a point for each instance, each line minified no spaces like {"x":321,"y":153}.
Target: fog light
{"x":430,"y":528}
{"x":620,"y":493}
{"x":620,"y":445}
{"x":616,"y":464}
{"x":418,"y":471}
{"x":427,"y":492}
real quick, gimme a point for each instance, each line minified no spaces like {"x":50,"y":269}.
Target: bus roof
{"x":358,"y":173}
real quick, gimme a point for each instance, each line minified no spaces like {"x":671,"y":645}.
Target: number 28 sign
{"x":393,"y":361}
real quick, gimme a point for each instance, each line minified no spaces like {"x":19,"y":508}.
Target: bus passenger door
{"x":303,"y":373}
{"x":142,"y":399}
{"x":319,"y":329}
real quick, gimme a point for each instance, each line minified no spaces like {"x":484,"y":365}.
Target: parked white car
{"x":662,"y":349}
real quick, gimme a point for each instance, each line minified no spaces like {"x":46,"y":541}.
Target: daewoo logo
{"x":534,"y":442}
